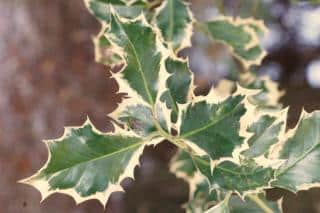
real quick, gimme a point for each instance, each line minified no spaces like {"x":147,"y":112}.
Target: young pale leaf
{"x":175,"y":20}
{"x":213,"y":127}
{"x":178,"y":85}
{"x":265,"y":134}
{"x":142,"y":57}
{"x":139,"y":118}
{"x":236,"y":205}
{"x":302,"y":151}
{"x":241,"y":35}
{"x":87,"y":164}
{"x":101,"y":9}
{"x":266,"y":99}
{"x":243,"y":178}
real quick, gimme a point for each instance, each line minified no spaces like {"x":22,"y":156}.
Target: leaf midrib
{"x":171,"y":20}
{"x":299,"y":159}
{"x":145,"y":84}
{"x":98,"y":158}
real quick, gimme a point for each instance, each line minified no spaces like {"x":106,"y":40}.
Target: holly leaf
{"x":178,"y":85}
{"x":241,"y":35}
{"x":105,"y":53}
{"x":175,"y":20}
{"x":213,"y":127}
{"x":142,"y":53}
{"x":302,"y":153}
{"x":268,"y":97}
{"x":87,"y":164}
{"x":245,"y":177}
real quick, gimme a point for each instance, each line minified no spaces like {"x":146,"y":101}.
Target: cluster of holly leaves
{"x":233,"y":143}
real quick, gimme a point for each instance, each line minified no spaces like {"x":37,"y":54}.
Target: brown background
{"x":48,"y":79}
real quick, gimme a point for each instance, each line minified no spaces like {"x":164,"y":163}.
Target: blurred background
{"x":49,"y":79}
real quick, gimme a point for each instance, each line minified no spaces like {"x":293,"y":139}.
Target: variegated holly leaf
{"x":87,"y":164}
{"x":241,"y":35}
{"x":302,"y":153}
{"x":213,"y":127}
{"x":270,"y":94}
{"x":178,"y":85}
{"x":251,"y":204}
{"x":105,"y":53}
{"x":175,"y":21}
{"x":142,"y":53}
{"x":268,"y":97}
{"x":101,"y":9}
{"x":247,"y":176}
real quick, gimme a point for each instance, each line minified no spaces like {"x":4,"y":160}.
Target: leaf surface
{"x":265,"y":134}
{"x":248,"y":176}
{"x":302,"y":151}
{"x":101,"y":9}
{"x":174,"y":19}
{"x":242,"y":178}
{"x":214,"y":127}
{"x":242,"y":35}
{"x":268,"y":97}
{"x":143,"y":57}
{"x":178,"y":85}
{"x":87,"y":164}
